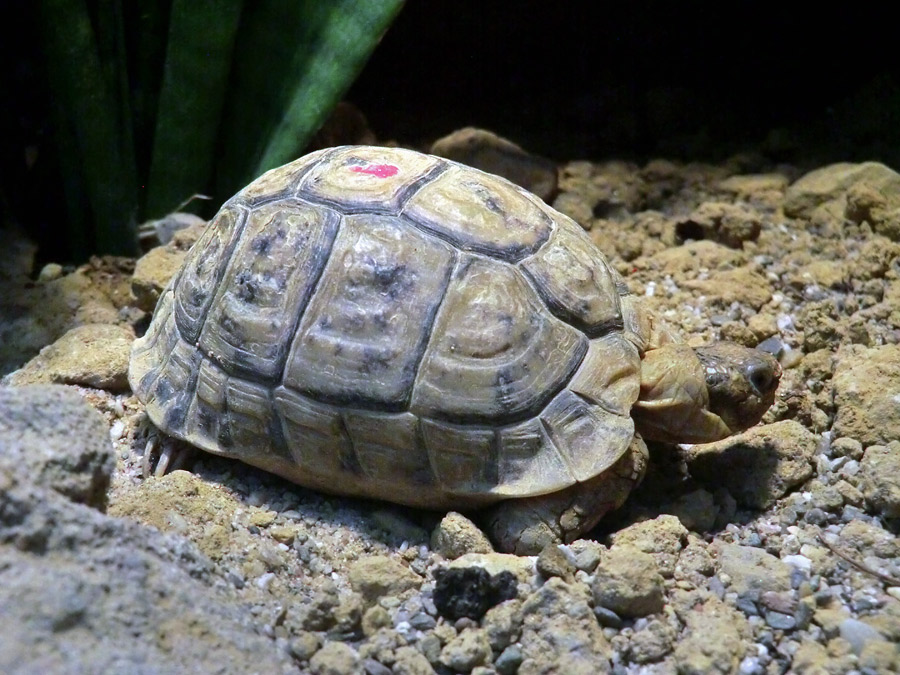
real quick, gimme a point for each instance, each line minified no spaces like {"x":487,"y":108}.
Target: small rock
{"x":409,"y":661}
{"x":334,"y":658}
{"x":879,"y":478}
{"x":607,"y":617}
{"x":714,"y":639}
{"x":466,"y":651}
{"x":503,"y":624}
{"x":696,"y":510}
{"x":374,"y":619}
{"x":729,"y":224}
{"x":651,"y":643}
{"x":552,"y":562}
{"x":376,"y":576}
{"x":560,"y":633}
{"x":858,"y":634}
{"x":780,"y":621}
{"x":587,"y":554}
{"x":759,"y":465}
{"x":628,"y":582}
{"x":470,"y":592}
{"x":662,"y":537}
{"x":304,"y":645}
{"x":456,"y":535}
{"x":509,"y":660}
{"x":487,"y":151}
{"x":752,"y":569}
{"x":866,"y":382}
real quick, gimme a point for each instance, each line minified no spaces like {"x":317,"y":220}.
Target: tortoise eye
{"x":715,"y":378}
{"x":761,"y":377}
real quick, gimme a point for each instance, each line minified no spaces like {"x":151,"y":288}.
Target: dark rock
{"x":471,"y":591}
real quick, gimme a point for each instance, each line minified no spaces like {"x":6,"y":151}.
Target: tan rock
{"x":377,"y":576}
{"x":828,"y":187}
{"x":456,"y":535}
{"x":662,"y":537}
{"x":758,"y":466}
{"x":745,"y":285}
{"x":879,"y":478}
{"x":93,"y":355}
{"x":751,"y":569}
{"x":866,"y":386}
{"x":628,"y":582}
{"x":713,"y":641}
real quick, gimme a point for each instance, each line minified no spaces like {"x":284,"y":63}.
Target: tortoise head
{"x":703,"y":394}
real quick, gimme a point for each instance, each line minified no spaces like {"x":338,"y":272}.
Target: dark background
{"x":637,"y":79}
{"x":798,"y":84}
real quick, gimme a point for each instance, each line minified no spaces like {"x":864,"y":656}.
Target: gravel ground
{"x":774,"y":551}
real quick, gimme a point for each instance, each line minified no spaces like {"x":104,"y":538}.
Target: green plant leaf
{"x":293,"y":63}
{"x":198,"y":62}
{"x":89,"y":81}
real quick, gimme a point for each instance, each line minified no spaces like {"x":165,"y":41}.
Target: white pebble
{"x":851,"y":468}
{"x":750,"y":666}
{"x":265,"y":580}
{"x":650,"y":291}
{"x":117,"y":430}
{"x":784,"y":322}
{"x":801,"y":562}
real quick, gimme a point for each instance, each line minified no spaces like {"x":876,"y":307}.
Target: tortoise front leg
{"x":525,"y":526}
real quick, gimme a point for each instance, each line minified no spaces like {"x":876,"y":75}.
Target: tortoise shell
{"x":384,"y":323}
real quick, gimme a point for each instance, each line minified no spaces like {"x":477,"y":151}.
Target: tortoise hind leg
{"x":525,"y":526}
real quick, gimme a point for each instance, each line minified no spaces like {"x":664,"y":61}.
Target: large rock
{"x":866,"y":386}
{"x":758,"y":466}
{"x":51,"y":437}
{"x":828,"y":187}
{"x":76,"y":586}
{"x":487,"y":151}
{"x":94,"y":355}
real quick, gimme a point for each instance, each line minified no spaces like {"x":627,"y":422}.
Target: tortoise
{"x":382,"y":323}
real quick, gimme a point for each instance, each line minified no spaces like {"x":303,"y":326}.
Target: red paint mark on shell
{"x":378,"y":170}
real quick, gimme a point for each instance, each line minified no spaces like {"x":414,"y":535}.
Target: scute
{"x":480,"y":212}
{"x":496,"y":352}
{"x":266,"y":287}
{"x":280,"y":181}
{"x":374,"y":180}
{"x":576,"y":283}
{"x":202,"y":270}
{"x":365,"y":328}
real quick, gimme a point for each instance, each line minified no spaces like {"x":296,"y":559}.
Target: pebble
{"x":800,"y":562}
{"x":858,"y":634}
{"x":509,"y":660}
{"x":780,"y":621}
{"x":607,"y":617}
